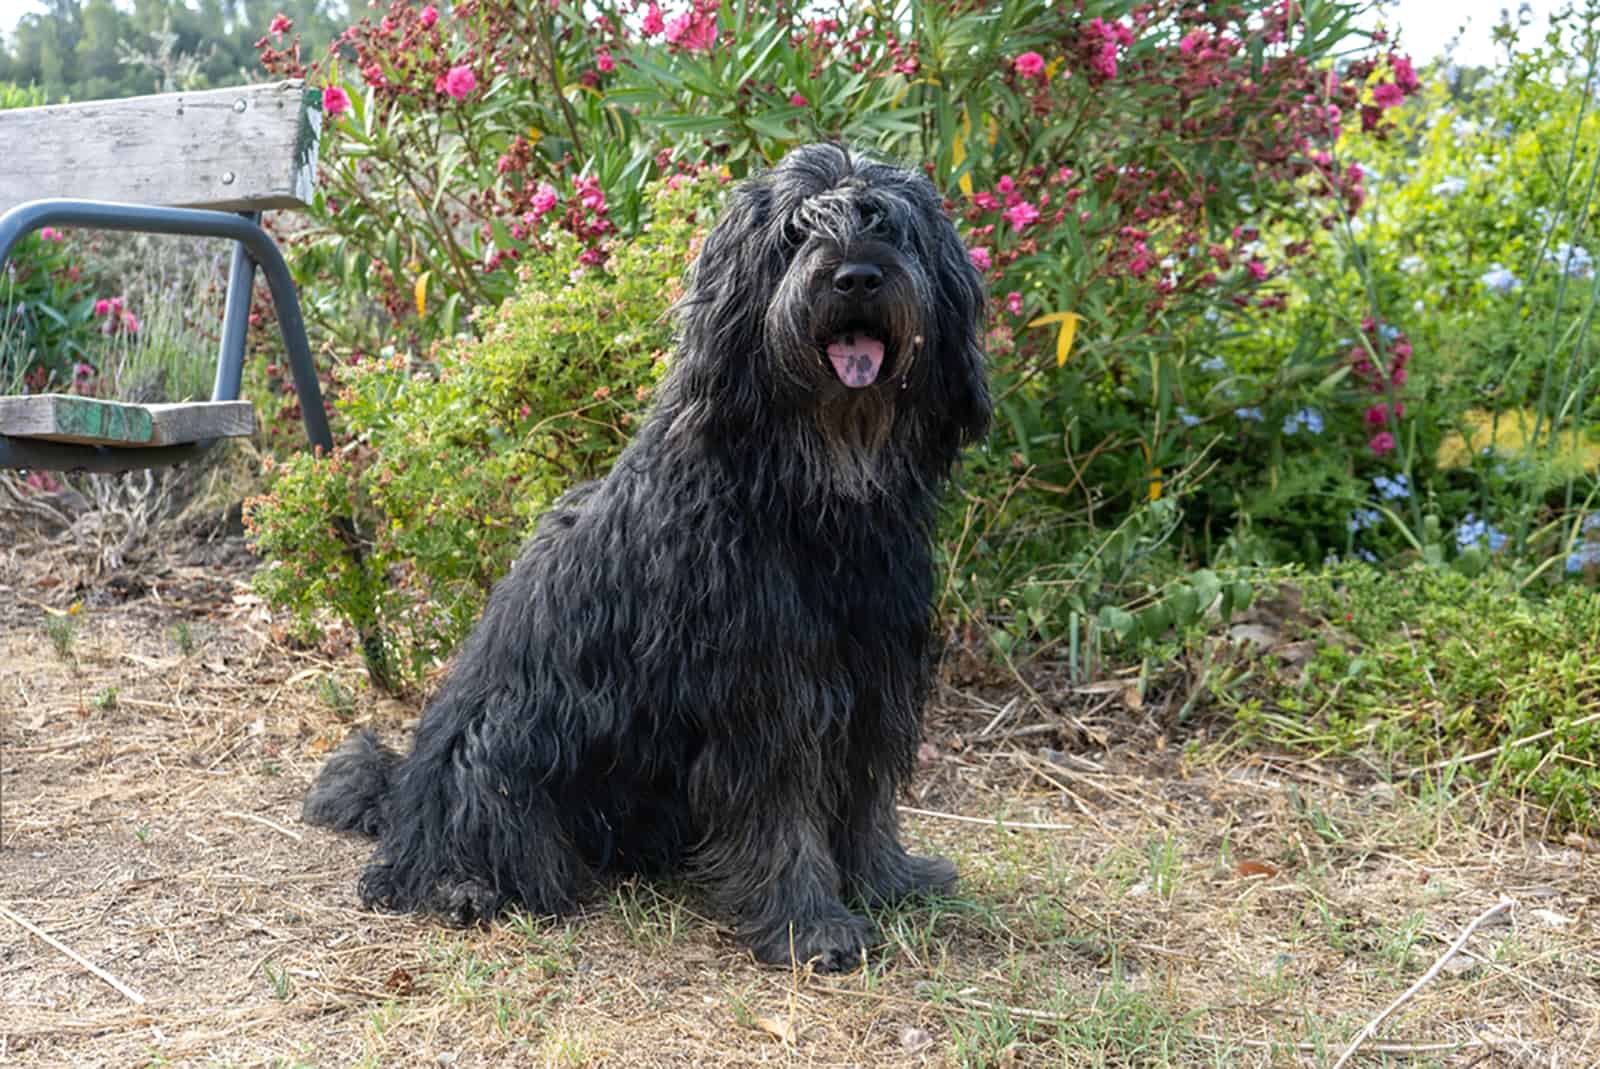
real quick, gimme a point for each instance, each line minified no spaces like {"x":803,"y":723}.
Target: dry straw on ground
{"x":1129,"y":897}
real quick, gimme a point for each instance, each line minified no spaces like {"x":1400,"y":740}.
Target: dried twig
{"x":993,"y":822}
{"x":127,"y":992}
{"x":1451,"y":951}
{"x":274,"y":825}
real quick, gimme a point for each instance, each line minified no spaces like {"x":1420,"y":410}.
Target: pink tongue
{"x":856,"y":359}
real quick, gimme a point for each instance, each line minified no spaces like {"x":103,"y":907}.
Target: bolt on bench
{"x":204,"y":164}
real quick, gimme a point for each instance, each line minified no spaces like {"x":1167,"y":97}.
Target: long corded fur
{"x":713,"y":661}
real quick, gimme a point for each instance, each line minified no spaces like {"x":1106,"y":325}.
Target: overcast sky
{"x":1426,"y":26}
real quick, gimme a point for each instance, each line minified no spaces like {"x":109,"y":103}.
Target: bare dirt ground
{"x":1145,"y":898}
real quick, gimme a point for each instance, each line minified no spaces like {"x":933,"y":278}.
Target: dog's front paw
{"x":465,"y":902}
{"x":376,"y":887}
{"x":831,"y":944}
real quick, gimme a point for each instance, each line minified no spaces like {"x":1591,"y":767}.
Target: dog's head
{"x":835,"y":285}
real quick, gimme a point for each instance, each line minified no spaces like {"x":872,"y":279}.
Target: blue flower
{"x":1308,"y":418}
{"x":1472,"y":531}
{"x":1362,"y":519}
{"x":1500,"y":279}
{"x":1591,"y":523}
{"x":1189,"y":418}
{"x":1574,"y":260}
{"x":1397,"y":488}
{"x":1252,"y":414}
{"x":1213,"y":363}
{"x":1587,"y":555}
{"x":1367,"y":555}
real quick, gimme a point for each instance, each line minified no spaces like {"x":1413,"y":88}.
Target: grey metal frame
{"x":253,"y":248}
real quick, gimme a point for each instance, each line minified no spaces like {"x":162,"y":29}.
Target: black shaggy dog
{"x":713,"y":661}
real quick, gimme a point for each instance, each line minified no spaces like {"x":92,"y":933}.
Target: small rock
{"x":914,"y":1039}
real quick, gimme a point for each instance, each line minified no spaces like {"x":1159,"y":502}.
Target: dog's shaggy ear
{"x":721,"y":313}
{"x":961,"y":312}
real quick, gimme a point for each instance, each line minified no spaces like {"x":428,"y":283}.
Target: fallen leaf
{"x":399,"y":982}
{"x":783,"y":1029}
{"x":1249,"y":869}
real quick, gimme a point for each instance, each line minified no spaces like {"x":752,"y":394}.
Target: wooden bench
{"x":203,"y":164}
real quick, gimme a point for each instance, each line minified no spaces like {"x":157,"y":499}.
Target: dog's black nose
{"x":857,"y":279}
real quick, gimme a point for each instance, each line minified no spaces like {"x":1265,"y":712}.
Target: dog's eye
{"x":793,"y":234}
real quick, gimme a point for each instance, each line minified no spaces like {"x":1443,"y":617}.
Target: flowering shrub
{"x":453,"y":458}
{"x":1123,"y":175}
{"x":49,"y":317}
{"x":1447,"y":326}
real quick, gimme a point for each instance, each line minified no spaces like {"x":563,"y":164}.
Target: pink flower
{"x":460,"y":82}
{"x":1105,"y":62}
{"x":1006,"y":184}
{"x":980,"y":258}
{"x":985,"y":201}
{"x":1377,"y":415}
{"x":280,"y":24}
{"x":372,"y":74}
{"x":1405,"y":75}
{"x":694,"y":31}
{"x":1381,"y":443}
{"x":50,"y":233}
{"x":1029,"y":65}
{"x":130,"y":322}
{"x":1192,"y":40}
{"x":799,"y":100}
{"x":82,"y":372}
{"x":1014,"y":303}
{"x":1388,"y":95}
{"x":335,"y":101}
{"x":652,"y":23}
{"x":1257,"y":269}
{"x":590,"y":195}
{"x":102,"y":307}
{"x":603,"y":60}
{"x":544,"y":198}
{"x":1021,"y":215}
{"x":428,"y":16}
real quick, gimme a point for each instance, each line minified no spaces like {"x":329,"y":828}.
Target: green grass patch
{"x":1444,"y":676}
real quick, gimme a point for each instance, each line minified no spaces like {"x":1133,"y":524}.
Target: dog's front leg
{"x":766,"y":858}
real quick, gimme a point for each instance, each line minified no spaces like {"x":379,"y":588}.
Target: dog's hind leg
{"x":471,"y":830}
{"x":875,"y":866}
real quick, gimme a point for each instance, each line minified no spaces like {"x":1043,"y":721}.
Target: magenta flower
{"x":980,"y":258}
{"x":544,"y":198}
{"x":280,"y":24}
{"x":460,"y":82}
{"x":985,"y":201}
{"x":1257,"y":269}
{"x":590,"y":195}
{"x":372,"y":74}
{"x":1029,"y":65}
{"x":1388,"y":95}
{"x":799,"y":100}
{"x":603,"y":60}
{"x":1405,"y":75}
{"x":1192,"y":40}
{"x":653,"y":23}
{"x":1021,"y":215}
{"x":1014,"y":303}
{"x":102,"y":307}
{"x":1006,"y":184}
{"x":428,"y":16}
{"x":1381,"y":443}
{"x":50,"y":233}
{"x":694,"y":30}
{"x":335,"y":101}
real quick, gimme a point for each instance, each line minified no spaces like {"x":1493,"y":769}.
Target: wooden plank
{"x":60,"y":417}
{"x":254,"y":147}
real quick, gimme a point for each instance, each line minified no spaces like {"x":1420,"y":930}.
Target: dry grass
{"x":1145,"y":900}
